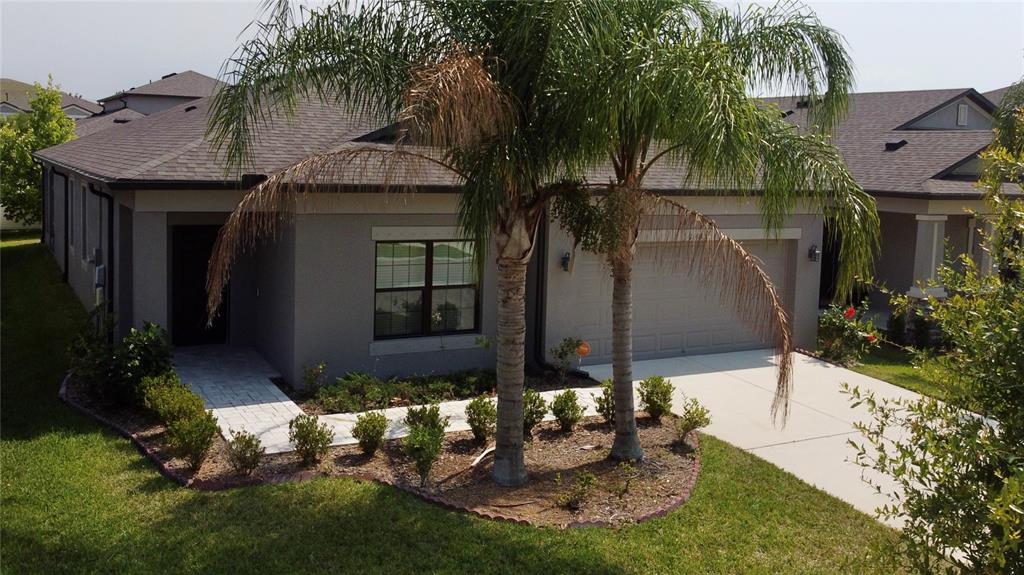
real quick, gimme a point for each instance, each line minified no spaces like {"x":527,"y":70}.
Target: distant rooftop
{"x":18,"y":94}
{"x":187,"y":84}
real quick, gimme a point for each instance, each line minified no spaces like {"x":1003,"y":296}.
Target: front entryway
{"x":191,"y":247}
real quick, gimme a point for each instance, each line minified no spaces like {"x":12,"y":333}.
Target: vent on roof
{"x":787,"y":113}
{"x":168,"y":75}
{"x":803,"y":103}
{"x":893,"y":145}
{"x":121,"y":120}
{"x":189,"y":108}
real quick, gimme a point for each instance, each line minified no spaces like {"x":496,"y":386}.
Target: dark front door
{"x":191,"y":248}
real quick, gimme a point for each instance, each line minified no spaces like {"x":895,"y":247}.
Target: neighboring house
{"x":169,"y":91}
{"x":916,"y":152}
{"x":16,"y":96}
{"x":100,"y":122}
{"x":367,"y":278}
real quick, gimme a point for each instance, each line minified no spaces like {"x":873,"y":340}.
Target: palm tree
{"x":463,"y":81}
{"x":679,"y":92}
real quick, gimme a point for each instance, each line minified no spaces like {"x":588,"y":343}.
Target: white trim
{"x":738,"y":234}
{"x":386,"y":233}
{"x":423,"y":344}
{"x":930,"y":218}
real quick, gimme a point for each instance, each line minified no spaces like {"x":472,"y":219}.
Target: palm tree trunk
{"x":514,"y":252}
{"x":627,"y":443}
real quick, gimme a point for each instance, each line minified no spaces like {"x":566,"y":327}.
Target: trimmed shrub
{"x":169,"y":399}
{"x":245,"y":451}
{"x":482,"y":417}
{"x":694,"y":416}
{"x":310,"y":438}
{"x":567,"y":410}
{"x":428,"y":416}
{"x":534,"y":410}
{"x":606,"y":401}
{"x":423,"y":445}
{"x":656,"y":396}
{"x":576,"y":497}
{"x":191,"y":438}
{"x":369,"y":430}
{"x":142,"y":353}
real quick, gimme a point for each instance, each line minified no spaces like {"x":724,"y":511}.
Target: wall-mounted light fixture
{"x":814,"y":253}
{"x":566,"y":259}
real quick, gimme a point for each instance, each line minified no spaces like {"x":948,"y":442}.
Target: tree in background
{"x":958,"y":464}
{"x":20,"y":177}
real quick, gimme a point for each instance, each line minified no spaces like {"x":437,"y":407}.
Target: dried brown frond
{"x":688,"y":237}
{"x":454,"y":103}
{"x":268,"y":207}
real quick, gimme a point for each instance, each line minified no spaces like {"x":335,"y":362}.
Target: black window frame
{"x":427,"y":291}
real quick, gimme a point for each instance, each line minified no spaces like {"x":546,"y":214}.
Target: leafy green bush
{"x":369,"y":430}
{"x":567,"y":410}
{"x":428,"y":416}
{"x":310,"y":438}
{"x":694,"y":416}
{"x":606,"y":401}
{"x":363,"y":392}
{"x":576,"y":497}
{"x":169,"y":399}
{"x":564,"y":353}
{"x":656,"y":396}
{"x":90,"y":355}
{"x":191,"y":438}
{"x":844,"y":336}
{"x":534,"y":410}
{"x":141,"y":353}
{"x":245,"y":451}
{"x":423,"y":445}
{"x":482,"y":417}
{"x":896,"y":325}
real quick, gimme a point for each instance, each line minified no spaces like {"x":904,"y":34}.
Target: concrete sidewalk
{"x":738,"y":388}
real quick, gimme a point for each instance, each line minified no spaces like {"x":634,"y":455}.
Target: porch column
{"x":929,"y":251}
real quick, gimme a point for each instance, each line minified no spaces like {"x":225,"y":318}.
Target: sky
{"x":98,"y":48}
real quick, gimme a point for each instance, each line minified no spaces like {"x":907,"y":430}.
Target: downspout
{"x":109,"y":254}
{"x":42,"y":170}
{"x":64,"y":274}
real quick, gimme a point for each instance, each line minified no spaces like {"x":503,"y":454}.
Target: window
{"x":961,"y":115}
{"x":425,"y":288}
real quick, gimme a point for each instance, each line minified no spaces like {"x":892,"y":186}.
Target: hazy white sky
{"x":98,"y":48}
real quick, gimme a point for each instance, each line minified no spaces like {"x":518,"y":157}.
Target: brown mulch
{"x":660,"y":483}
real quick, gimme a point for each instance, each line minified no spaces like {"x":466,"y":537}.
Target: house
{"x":369,"y":277}
{"x":169,"y":91}
{"x":16,"y":96}
{"x":916,"y":152}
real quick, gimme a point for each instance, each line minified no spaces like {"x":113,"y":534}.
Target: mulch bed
{"x":662,"y":482}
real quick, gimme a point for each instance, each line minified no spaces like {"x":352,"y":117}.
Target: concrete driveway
{"x":738,"y":388}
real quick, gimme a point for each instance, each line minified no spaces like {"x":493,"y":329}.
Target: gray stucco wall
{"x":945,"y":118}
{"x":144,"y":104}
{"x":275,"y":303}
{"x":894,"y":266}
{"x":334,"y":303}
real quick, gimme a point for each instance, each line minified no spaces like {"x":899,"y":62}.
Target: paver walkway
{"x":736,"y":387}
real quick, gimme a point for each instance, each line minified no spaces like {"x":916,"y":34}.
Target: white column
{"x":929,"y":251}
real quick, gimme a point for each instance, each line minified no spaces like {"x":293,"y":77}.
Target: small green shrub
{"x":896,"y":325}
{"x":844,"y":336}
{"x":91,"y":355}
{"x":470,"y":382}
{"x":482,"y":417}
{"x":656,"y":396}
{"x":310,"y":438}
{"x":191,"y":438}
{"x":428,"y":416}
{"x":576,"y":497}
{"x":423,"y":445}
{"x":245,"y":451}
{"x":922,"y":331}
{"x":369,"y":430}
{"x":313,"y":376}
{"x":606,"y":401}
{"x":567,"y":410}
{"x":534,"y":410}
{"x":564,"y":353}
{"x":140,"y":354}
{"x":628,"y":473}
{"x":694,"y":416}
{"x":169,"y":399}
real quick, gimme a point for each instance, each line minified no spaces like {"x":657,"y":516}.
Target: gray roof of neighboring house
{"x":996,"y":96}
{"x":170,"y":147}
{"x":18,"y":94}
{"x":187,"y":84}
{"x":94,"y":124}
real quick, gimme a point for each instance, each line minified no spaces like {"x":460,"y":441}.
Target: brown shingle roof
{"x":18,"y":94}
{"x":94,"y":124}
{"x":187,"y":84}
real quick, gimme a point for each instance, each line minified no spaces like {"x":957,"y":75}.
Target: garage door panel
{"x":674,"y":312}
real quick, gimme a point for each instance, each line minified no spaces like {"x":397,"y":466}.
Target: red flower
{"x":850,"y":312}
{"x":871,"y":338}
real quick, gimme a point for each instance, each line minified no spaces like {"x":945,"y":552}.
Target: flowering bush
{"x":844,"y":336}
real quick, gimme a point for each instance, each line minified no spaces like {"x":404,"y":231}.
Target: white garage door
{"x":674,"y":313}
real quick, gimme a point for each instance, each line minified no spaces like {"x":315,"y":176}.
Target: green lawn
{"x":78,"y":499}
{"x":892,"y":364}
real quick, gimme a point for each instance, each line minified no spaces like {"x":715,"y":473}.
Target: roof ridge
{"x":163,"y":158}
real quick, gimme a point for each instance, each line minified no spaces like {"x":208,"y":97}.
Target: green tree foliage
{"x":20,"y":177}
{"x":959,"y":464}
